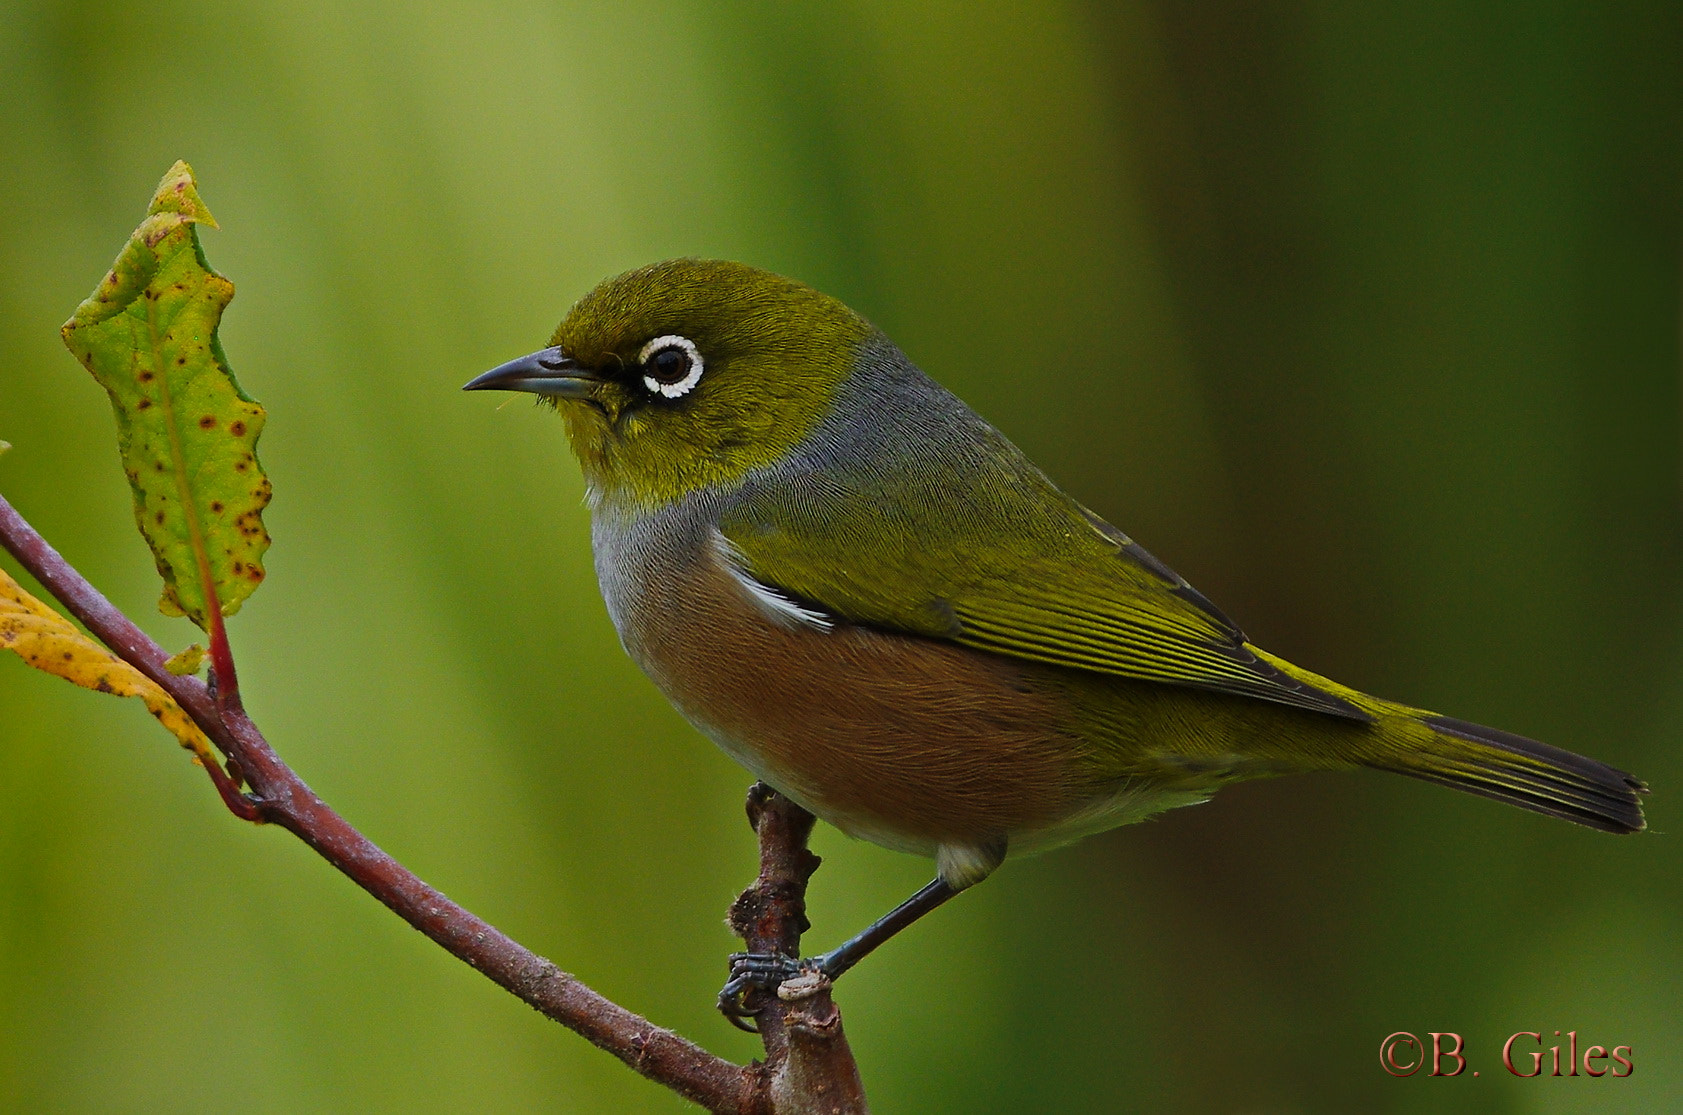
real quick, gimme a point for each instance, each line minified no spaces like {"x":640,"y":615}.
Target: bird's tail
{"x":1497,"y":764}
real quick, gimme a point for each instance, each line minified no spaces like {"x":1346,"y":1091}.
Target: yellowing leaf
{"x":187,"y":433}
{"x":48,"y":641}
{"x":187,"y":662}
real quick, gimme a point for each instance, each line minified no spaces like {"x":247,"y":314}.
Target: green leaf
{"x":187,"y":433}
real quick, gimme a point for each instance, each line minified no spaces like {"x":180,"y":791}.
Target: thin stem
{"x":281,"y":797}
{"x":221,"y":654}
{"x":228,"y":789}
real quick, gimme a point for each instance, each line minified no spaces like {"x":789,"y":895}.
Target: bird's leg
{"x":865,"y":942}
{"x":967,"y":864}
{"x":768,"y":970}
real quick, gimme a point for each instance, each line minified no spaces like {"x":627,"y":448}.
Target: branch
{"x":281,"y":797}
{"x":810,"y":1066}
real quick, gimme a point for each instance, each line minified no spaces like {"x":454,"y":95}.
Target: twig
{"x":810,"y":1066}
{"x":281,"y":797}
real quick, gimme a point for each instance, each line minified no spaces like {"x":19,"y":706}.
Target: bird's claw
{"x":757,"y":971}
{"x":759,"y":795}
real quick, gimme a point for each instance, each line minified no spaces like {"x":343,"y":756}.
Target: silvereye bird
{"x":867,"y":596}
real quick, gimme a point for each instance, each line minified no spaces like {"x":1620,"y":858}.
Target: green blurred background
{"x":1364,"y":317}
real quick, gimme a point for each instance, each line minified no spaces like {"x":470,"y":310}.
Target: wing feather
{"x":1030,"y":574}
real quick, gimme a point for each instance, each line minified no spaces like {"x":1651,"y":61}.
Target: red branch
{"x":279,"y":796}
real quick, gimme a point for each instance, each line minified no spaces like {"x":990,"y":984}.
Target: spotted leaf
{"x":186,"y":431}
{"x":48,"y":641}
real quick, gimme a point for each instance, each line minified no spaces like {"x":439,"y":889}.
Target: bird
{"x":866,"y":595}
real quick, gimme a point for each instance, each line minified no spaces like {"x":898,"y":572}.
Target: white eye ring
{"x":682,"y":386}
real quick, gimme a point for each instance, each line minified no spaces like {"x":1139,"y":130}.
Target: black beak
{"x":546,"y":372}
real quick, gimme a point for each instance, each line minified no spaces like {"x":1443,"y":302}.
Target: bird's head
{"x":688,"y":374}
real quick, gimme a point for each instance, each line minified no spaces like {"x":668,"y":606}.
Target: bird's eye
{"x":671,"y":366}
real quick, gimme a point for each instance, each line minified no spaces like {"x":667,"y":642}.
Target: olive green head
{"x":687,"y":374}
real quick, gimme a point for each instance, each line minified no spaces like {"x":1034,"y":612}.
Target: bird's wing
{"x":1009,"y":565}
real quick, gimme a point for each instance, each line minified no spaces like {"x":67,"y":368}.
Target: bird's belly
{"x":908,"y":742}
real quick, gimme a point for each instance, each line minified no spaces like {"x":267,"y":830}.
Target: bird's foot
{"x":760,"y":971}
{"x":759,"y":796}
